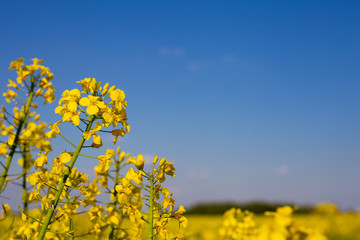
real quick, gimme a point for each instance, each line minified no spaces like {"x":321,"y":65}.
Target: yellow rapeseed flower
{"x":16,"y":64}
{"x":178,"y":215}
{"x":12,"y":84}
{"x":3,"y":149}
{"x":89,"y":85}
{"x":10,"y":95}
{"x":134,"y":175}
{"x":138,"y":161}
{"x":41,"y":160}
{"x":93,"y":104}
{"x":54,"y":130}
{"x":93,"y":133}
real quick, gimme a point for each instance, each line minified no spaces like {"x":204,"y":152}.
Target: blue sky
{"x":249,"y":99}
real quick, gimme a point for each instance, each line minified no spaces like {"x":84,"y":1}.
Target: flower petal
{"x":92,"y":110}
{"x":84,"y":101}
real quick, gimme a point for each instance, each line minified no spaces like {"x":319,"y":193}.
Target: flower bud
{"x":139,"y":163}
{"x":105,"y":90}
{"x":122,"y":156}
{"x":112,"y":88}
{"x":156,"y":158}
{"x":162,"y":161}
{"x":37,"y":117}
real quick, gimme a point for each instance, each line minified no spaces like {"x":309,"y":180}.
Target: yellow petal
{"x":92,"y":110}
{"x":21,"y":161}
{"x":65,"y":157}
{"x":97,"y":127}
{"x":114,"y":220}
{"x":75,"y":120}
{"x":101,"y":104}
{"x":72,"y":106}
{"x":127,"y":127}
{"x":97,"y":139}
{"x":75,"y":92}
{"x":84,"y":101}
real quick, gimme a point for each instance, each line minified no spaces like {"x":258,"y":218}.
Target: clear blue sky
{"x":249,"y":99}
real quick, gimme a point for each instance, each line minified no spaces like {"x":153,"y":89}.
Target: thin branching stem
{"x":23,"y":119}
{"x":67,"y":140}
{"x":61,"y":186}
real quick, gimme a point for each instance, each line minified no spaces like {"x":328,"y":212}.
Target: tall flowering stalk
{"x":32,"y":139}
{"x":161,"y":208}
{"x":114,"y":218}
{"x":128,"y":198}
{"x":158,"y":198}
{"x":121,"y":196}
{"x":104,"y":107}
{"x":35,"y":81}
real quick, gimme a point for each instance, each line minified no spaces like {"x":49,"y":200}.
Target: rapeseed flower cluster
{"x":160,"y":200}
{"x":90,"y":105}
{"x":112,"y":112}
{"x":59,"y":188}
{"x":239,"y":225}
{"x":32,"y":77}
{"x":284,"y":227}
{"x":21,"y":130}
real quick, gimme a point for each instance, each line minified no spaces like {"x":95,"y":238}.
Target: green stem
{"x":67,"y":140}
{"x":151,"y":208}
{"x":71,"y":221}
{"x":62,"y":184}
{"x":116,"y":181}
{"x":25,"y":194}
{"x":88,"y":156}
{"x":23,"y":119}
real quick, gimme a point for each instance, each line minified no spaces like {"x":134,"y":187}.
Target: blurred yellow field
{"x":342,"y":226}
